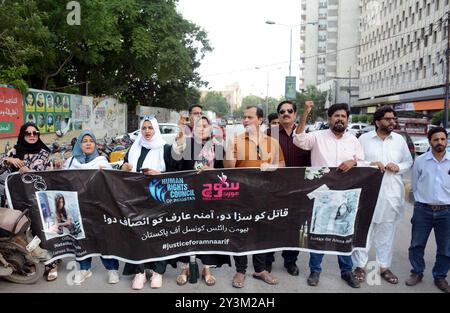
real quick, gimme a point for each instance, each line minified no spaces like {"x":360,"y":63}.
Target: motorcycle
{"x":20,"y":254}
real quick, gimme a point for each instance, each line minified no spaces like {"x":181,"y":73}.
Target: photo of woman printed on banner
{"x":60,"y":214}
{"x":334,"y":211}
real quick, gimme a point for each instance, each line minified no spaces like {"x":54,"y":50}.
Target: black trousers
{"x":259,"y":263}
{"x":289,"y":256}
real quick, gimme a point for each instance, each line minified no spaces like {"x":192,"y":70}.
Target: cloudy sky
{"x":246,"y":50}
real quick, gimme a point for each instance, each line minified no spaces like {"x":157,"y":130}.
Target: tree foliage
{"x":143,"y":52}
{"x":438,"y":118}
{"x":319,"y":98}
{"x":214,"y":101}
{"x":272,"y":104}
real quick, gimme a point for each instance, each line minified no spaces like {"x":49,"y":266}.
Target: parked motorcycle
{"x":20,"y":254}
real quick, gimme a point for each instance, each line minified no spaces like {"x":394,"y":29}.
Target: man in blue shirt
{"x":431,"y":189}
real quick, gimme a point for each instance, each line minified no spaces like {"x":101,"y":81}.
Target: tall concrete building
{"x":403,"y":44}
{"x":330,"y":47}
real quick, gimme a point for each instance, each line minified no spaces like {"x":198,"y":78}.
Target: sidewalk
{"x":330,"y":280}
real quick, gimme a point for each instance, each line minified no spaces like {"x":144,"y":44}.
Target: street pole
{"x":447,"y":65}
{"x":290,"y":52}
{"x":267,"y":96}
{"x":350,"y":86}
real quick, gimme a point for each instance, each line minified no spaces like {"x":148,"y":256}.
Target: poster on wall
{"x":11,"y":114}
{"x":109,"y":115}
{"x":81,"y":110}
{"x":48,"y":110}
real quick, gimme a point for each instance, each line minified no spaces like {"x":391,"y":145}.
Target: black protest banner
{"x":139,"y":218}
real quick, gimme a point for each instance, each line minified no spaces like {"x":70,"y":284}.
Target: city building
{"x":329,"y":48}
{"x":402,"y":59}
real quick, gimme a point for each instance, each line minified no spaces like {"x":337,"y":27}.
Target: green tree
{"x":319,"y":98}
{"x":215,"y":102}
{"x":363,"y":118}
{"x":438,"y":118}
{"x":143,"y":52}
{"x":258,"y":101}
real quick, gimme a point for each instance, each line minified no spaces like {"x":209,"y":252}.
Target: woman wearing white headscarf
{"x":149,"y":155}
{"x":147,"y":152}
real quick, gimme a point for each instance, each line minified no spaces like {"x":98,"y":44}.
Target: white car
{"x":356,"y":128}
{"x":168,"y":132}
{"x":421,"y":145}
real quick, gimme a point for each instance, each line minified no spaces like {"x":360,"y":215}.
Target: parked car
{"x":409,"y":142}
{"x":366,"y":129}
{"x":421,"y":145}
{"x":168,"y":132}
{"x":355,"y":128}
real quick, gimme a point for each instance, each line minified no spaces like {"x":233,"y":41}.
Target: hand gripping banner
{"x":137,"y":218}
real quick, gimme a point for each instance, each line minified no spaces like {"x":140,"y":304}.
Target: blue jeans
{"x":424,"y":219}
{"x":109,"y":264}
{"x":315,"y":259}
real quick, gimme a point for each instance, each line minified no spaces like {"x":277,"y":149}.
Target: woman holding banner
{"x":148,"y":155}
{"x":30,"y":154}
{"x":86,"y":156}
{"x":199,"y":152}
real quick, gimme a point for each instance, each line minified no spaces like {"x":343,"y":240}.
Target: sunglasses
{"x":290,"y":111}
{"x":34,"y":133}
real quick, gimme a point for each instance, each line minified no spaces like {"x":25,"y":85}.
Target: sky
{"x":246,"y":49}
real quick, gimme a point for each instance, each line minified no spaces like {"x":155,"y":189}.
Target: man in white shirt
{"x":332,"y":147}
{"x":389,"y":152}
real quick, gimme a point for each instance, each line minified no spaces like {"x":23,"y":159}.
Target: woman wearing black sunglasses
{"x":30,"y":153}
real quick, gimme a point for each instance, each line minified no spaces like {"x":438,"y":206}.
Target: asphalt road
{"x":330,"y":280}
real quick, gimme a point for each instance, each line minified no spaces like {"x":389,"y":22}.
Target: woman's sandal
{"x":210,"y":280}
{"x":183,"y":277}
{"x":388,"y":276}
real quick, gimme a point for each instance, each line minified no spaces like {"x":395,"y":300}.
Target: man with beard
{"x":331,"y":147}
{"x":293,"y":156}
{"x":431,"y":189}
{"x":389,"y":152}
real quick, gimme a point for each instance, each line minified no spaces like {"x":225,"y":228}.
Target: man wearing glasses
{"x":389,"y":152}
{"x":195,"y":115}
{"x":293,"y":156}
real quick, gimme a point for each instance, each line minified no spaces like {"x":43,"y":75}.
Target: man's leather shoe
{"x":313,"y":279}
{"x":292,"y":269}
{"x":414,"y":279}
{"x":351,"y":280}
{"x":442,"y":284}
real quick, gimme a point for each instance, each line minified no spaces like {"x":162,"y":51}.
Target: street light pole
{"x":267,"y":96}
{"x":447,"y":65}
{"x":290,"y":53}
